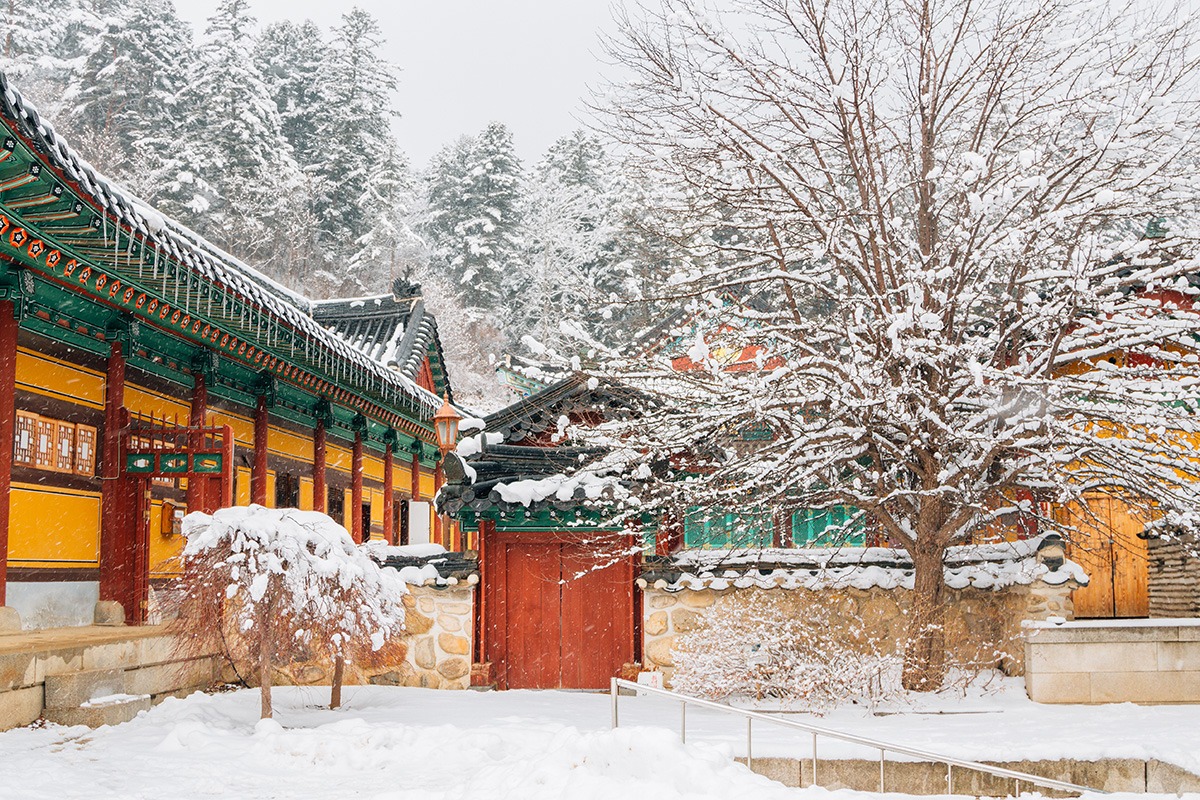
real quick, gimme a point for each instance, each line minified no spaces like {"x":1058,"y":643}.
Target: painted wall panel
{"x":52,"y":377}
{"x":427,"y":489}
{"x":53,"y":526}
{"x":306,"y":494}
{"x":243,"y":486}
{"x":243,"y":428}
{"x":165,"y":547}
{"x":143,"y":401}
{"x":292,"y":445}
{"x":338,"y":458}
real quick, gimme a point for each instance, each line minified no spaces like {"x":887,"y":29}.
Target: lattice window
{"x":85,"y":450}
{"x":43,"y":444}
{"x":23,"y":439}
{"x":64,"y":446}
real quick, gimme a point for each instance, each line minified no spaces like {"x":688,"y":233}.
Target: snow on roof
{"x":193,"y":252}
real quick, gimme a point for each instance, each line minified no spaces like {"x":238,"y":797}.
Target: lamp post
{"x":445,"y":427}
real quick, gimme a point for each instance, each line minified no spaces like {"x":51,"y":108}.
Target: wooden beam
{"x":116,"y":539}
{"x":197,"y":491}
{"x":258,"y":469}
{"x":356,"y":489}
{"x":8,"y":414}
{"x":320,"y":493}
{"x":389,"y":501}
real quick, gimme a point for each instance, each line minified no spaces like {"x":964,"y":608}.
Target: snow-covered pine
{"x":292,"y":59}
{"x":259,"y":584}
{"x":121,"y":104}
{"x":234,"y":143}
{"x":942,"y":223}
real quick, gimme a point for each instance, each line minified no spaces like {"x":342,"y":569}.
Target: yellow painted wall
{"x":52,"y":377}
{"x":372,"y":467}
{"x":165,"y":547}
{"x":291,"y":445}
{"x":243,"y":428}
{"x":146,"y":402}
{"x":338,"y":458}
{"x":243,"y":486}
{"x":306,"y":494}
{"x":376,"y":500}
{"x":53,"y":527}
{"x":347,"y":507}
{"x":270,"y":503}
{"x":426,"y":485}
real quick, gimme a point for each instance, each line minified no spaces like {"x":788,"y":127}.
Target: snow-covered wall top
{"x":990,"y":566}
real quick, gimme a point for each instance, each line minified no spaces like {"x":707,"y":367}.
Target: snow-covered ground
{"x":391,"y":743}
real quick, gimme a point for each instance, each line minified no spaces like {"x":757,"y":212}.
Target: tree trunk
{"x":339,"y":673}
{"x":266,"y":643}
{"x":925,"y":650}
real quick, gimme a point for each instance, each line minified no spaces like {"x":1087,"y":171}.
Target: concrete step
{"x":107,"y":710}
{"x":73,"y":689}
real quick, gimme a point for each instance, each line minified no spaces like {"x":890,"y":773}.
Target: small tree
{"x":260,"y":582}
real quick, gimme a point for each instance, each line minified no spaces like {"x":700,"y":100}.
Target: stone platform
{"x":92,"y":675}
{"x":1113,"y":661}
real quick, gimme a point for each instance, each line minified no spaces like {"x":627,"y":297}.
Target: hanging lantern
{"x":445,"y":426}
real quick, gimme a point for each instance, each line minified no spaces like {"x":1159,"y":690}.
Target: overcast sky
{"x":464,"y":63}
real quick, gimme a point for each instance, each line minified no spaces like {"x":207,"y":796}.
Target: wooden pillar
{"x":389,"y":501}
{"x":356,"y":489}
{"x":442,"y":530}
{"x":197,"y":499}
{"x":116,"y":539}
{"x":258,"y":469}
{"x":416,"y":477}
{"x":320,"y":493}
{"x":8,"y":420}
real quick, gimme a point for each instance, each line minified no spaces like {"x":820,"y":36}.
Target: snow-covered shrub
{"x":815,"y":660}
{"x":262,"y":584}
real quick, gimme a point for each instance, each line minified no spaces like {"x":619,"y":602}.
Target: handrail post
{"x":683,"y":721}
{"x":749,"y":743}
{"x":814,"y":775}
{"x":949,"y":778}
{"x":616,"y":691}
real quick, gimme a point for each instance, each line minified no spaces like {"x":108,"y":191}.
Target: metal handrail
{"x":816,"y":730}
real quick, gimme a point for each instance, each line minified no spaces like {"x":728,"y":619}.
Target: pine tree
{"x":355,"y":129}
{"x":122,"y":104}
{"x":235,"y":144}
{"x":291,"y":58}
{"x":474,"y":199}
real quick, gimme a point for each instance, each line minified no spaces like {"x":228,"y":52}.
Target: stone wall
{"x":434,"y":653}
{"x":978,"y":621}
{"x":1174,"y":577}
{"x":1114,"y":661}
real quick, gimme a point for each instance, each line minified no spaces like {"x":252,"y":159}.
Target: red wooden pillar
{"x":389,"y":529}
{"x":197,"y":494}
{"x":441,"y":530}
{"x":8,"y":420}
{"x":226,"y":466}
{"x":117,"y":539}
{"x":320,"y":493}
{"x":416,"y":477}
{"x":356,"y":489}
{"x":258,"y":469}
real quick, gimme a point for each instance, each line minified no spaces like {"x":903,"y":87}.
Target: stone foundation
{"x":1114,"y":661}
{"x":978,"y":621}
{"x":434,"y":653}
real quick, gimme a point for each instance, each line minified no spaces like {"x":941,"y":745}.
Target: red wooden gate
{"x":559,"y":609}
{"x":156,"y":449}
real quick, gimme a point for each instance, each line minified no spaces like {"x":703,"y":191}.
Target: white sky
{"x":464,"y":63}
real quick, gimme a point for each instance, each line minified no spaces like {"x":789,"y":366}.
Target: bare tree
{"x":958,"y":237}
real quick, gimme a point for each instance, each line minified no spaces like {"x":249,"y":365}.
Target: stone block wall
{"x":977,"y":620}
{"x":434,"y":653}
{"x":1174,"y":577}
{"x":1114,"y":661}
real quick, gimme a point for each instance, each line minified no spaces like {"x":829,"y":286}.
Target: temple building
{"x":145,"y":373}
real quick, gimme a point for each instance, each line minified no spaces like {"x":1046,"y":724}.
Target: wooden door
{"x":559,"y":614}
{"x":1107,"y":546}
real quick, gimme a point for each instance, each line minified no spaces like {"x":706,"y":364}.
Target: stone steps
{"x":92,"y":697}
{"x":929,"y":778}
